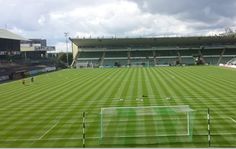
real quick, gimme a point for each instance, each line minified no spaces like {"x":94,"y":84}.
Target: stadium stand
{"x":110,"y":52}
{"x":225,"y":59}
{"x":230,"y":52}
{"x":16,"y":64}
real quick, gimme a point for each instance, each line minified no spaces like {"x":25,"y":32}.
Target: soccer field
{"x":48,"y":112}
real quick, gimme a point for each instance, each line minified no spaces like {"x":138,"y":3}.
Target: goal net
{"x":146,"y":125}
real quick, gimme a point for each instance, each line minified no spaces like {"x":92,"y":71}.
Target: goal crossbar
{"x":145,"y":107}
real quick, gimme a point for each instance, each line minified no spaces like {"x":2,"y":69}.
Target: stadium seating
{"x":166,"y":61}
{"x":188,"y":60}
{"x":116,"y":54}
{"x":188,"y":52}
{"x":211,"y":60}
{"x":224,"y":60}
{"x":156,"y":51}
{"x":141,"y":53}
{"x":112,"y":62}
{"x":230,"y":52}
{"x":211,"y":52}
{"x":166,"y":53}
{"x":211,"y":56}
{"x":90,"y":54}
{"x":18,"y":68}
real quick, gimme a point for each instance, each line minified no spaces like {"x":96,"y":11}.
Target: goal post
{"x":147,"y":124}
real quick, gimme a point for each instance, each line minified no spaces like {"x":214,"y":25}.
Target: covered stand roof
{"x":154,"y":42}
{"x":5,"y":34}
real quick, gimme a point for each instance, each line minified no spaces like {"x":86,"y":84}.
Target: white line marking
{"x":49,"y":130}
{"x":49,"y":139}
{"x":232,"y":119}
{"x":138,"y":136}
{"x":55,"y":139}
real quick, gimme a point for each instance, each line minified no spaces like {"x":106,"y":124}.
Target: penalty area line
{"x":232,"y":119}
{"x":48,"y":131}
{"x":49,"y":139}
{"x":59,"y":139}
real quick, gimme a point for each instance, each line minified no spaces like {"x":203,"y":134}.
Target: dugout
{"x":18,"y":75}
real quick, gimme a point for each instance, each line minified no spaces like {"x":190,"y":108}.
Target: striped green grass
{"x":48,"y":112}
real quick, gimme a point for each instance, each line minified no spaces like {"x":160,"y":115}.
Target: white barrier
{"x":225,"y":65}
{"x":47,"y":69}
{"x":4,"y":78}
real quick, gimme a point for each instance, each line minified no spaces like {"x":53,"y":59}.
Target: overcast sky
{"x":133,"y":18}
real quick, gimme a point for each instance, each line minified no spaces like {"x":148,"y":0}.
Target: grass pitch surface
{"x":48,"y":112}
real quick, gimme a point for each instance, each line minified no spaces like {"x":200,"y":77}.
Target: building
{"x":20,"y":57}
{"x":9,"y":45}
{"x":35,"y":48}
{"x":109,"y":52}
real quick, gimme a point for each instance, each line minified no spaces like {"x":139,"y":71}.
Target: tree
{"x":63,"y":58}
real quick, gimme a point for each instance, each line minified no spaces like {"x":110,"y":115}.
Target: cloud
{"x":120,"y":18}
{"x":61,"y":47}
{"x":211,"y":13}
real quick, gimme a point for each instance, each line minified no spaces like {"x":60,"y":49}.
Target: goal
{"x":146,"y":125}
